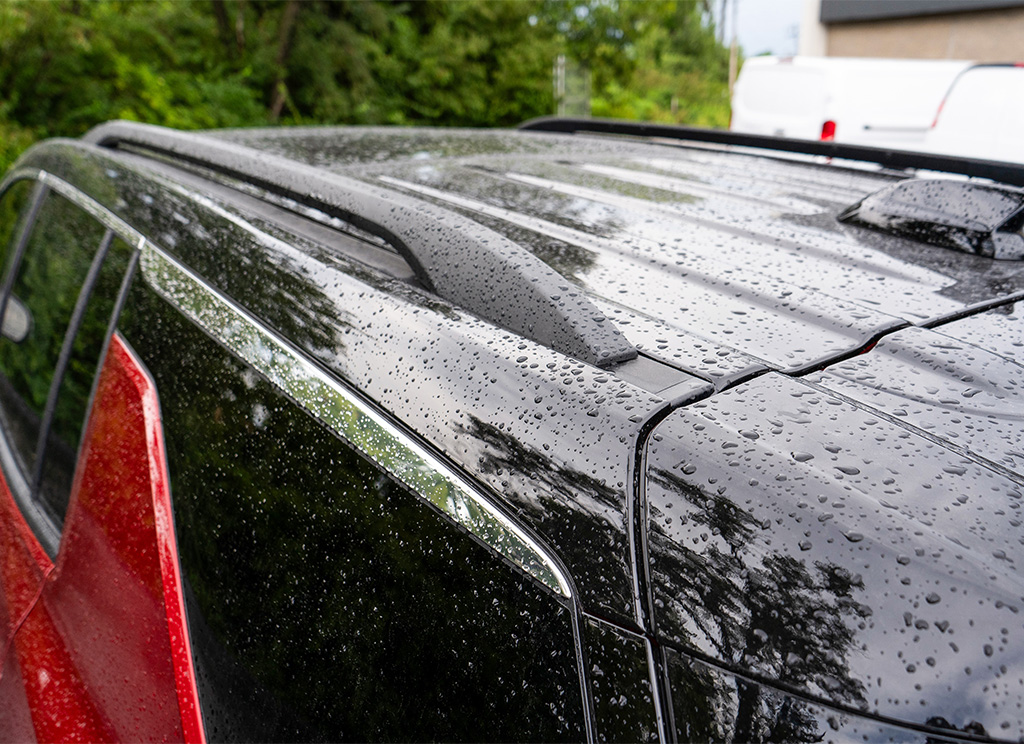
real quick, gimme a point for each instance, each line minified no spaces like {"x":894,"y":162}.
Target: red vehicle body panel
{"x":23,"y":567}
{"x":104,"y":652}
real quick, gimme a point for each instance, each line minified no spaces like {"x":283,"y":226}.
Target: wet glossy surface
{"x":952,"y":214}
{"x":326,"y":601}
{"x":711,"y":705}
{"x":999,"y":330}
{"x":458,"y":258}
{"x":968,"y":396}
{"x":623,"y":703}
{"x":23,"y":567}
{"x":48,"y":283}
{"x":643,"y":259}
{"x":342,"y":411}
{"x":727,"y":250}
{"x":71,"y":399}
{"x":851,"y":537}
{"x":462,"y":390}
{"x":828,"y":548}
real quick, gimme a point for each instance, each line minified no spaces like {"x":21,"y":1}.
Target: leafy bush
{"x":67,"y":65}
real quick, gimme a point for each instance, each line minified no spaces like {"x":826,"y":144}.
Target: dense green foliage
{"x":67,"y":65}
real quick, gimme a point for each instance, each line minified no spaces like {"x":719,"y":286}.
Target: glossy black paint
{"x":623,"y":702}
{"x":463,"y":388}
{"x":720,"y":264}
{"x":326,"y":602}
{"x":746,"y":711}
{"x":828,"y":549}
{"x":964,"y":395}
{"x":999,"y":328}
{"x":829,"y":521}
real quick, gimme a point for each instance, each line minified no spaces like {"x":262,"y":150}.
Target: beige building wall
{"x":813,"y":33}
{"x":984,"y":36}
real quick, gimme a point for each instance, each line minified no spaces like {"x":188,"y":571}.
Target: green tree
{"x":654,"y":60}
{"x":68,"y":65}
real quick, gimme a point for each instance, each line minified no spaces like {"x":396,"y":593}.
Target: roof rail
{"x":459,"y":259}
{"x":897,"y":159}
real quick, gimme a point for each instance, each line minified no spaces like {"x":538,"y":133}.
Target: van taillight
{"x":828,"y":131}
{"x":938,"y":111}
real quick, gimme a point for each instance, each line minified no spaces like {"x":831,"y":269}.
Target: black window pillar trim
{"x":637,"y":518}
{"x":643,"y":599}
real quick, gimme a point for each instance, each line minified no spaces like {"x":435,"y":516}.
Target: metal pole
{"x":733,"y":49}
{"x":560,"y":84}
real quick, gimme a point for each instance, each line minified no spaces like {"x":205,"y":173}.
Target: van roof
{"x":710,"y":269}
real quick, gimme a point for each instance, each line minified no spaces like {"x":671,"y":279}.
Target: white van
{"x":879,"y":102}
{"x":982,"y":116}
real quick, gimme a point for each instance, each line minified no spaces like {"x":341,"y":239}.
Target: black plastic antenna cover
{"x":969,"y":217}
{"x":459,"y":259}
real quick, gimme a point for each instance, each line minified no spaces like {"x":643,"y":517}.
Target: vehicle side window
{"x":45,"y":289}
{"x":325,"y":600}
{"x":72,"y":401}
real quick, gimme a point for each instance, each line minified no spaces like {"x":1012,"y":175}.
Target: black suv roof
{"x":759,"y":424}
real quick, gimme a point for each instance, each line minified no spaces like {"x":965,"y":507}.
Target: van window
{"x":982,"y":115}
{"x":44,"y":292}
{"x":83,"y":357}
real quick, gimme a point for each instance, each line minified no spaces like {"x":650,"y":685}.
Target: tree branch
{"x":220,"y":14}
{"x":284,"y":45}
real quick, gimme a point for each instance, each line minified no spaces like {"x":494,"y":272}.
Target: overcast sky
{"x":765,"y":25}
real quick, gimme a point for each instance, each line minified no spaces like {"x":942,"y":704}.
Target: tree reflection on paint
{"x":760,"y":611}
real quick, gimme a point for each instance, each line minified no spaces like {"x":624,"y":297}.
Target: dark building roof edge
{"x":844,"y":11}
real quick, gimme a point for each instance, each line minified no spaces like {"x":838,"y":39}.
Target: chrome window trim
{"x":347,"y":415}
{"x":100,"y":213}
{"x":330,"y":401}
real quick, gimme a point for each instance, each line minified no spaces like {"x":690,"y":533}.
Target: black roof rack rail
{"x":459,"y":259}
{"x":896,"y":159}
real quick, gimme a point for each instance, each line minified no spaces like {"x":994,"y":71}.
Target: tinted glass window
{"x":72,"y":400}
{"x":46,"y":285}
{"x":324,"y":600}
{"x":13,"y":214}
